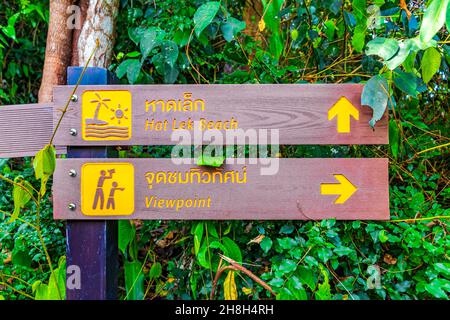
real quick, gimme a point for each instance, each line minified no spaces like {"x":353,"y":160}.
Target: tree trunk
{"x":252,"y":14}
{"x":67,"y":46}
{"x":99,"y":25}
{"x":58,"y":50}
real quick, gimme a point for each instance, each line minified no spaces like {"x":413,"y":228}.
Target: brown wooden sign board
{"x":301,"y":189}
{"x":149,"y":114}
{"x":25,"y":129}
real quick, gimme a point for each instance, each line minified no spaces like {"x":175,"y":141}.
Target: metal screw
{"x":73,"y":132}
{"x":74,"y":98}
{"x":72,"y":206}
{"x":72,"y":173}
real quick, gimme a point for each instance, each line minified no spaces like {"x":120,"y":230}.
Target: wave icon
{"x":104,"y":131}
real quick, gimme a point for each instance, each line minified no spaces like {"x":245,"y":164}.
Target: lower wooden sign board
{"x":295,"y":189}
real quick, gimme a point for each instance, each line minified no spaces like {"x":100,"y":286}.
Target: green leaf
{"x":407,"y":48}
{"x":382,"y":236}
{"x":231,"y":27}
{"x":383,"y":47}
{"x":205,"y":15}
{"x":148,"y":41}
{"x":359,"y":33}
{"x":433,"y":19}
{"x":287,"y":265}
{"x":407,"y":82}
{"x":272,"y":20}
{"x":447,"y":19}
{"x":306,"y":277}
{"x":155,"y":271}
{"x":22,"y":192}
{"x":266,"y":244}
{"x":394,"y":138}
{"x":130,"y":67}
{"x":375,"y":95}
{"x":56,"y":288}
{"x":198,"y":235}
{"x":359,"y":38}
{"x":233,"y":249}
{"x":127,"y":232}
{"x":295,"y":287}
{"x":323,"y":290}
{"x":430,"y":64}
{"x":443,"y":268}
{"x":44,"y":164}
{"x":210,"y":161}
{"x":169,"y":52}
{"x":330,"y":29}
{"x":134,"y":280}
{"x":437,"y":289}
{"x":20,"y":254}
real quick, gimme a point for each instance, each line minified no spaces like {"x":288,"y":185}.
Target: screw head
{"x":74,"y":98}
{"x":73,"y":132}
{"x":72,"y":173}
{"x":72,"y":206}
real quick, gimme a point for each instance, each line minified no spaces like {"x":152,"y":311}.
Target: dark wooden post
{"x":92,"y":245}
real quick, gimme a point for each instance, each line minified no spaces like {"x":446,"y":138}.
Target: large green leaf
{"x":359,"y":33}
{"x":44,"y":164}
{"x":22,"y":192}
{"x":231,"y":27}
{"x":433,"y":19}
{"x":430,"y":64}
{"x":127,"y":232}
{"x":134,"y":280}
{"x":148,"y":41}
{"x":56,"y":287}
{"x":234,"y":252}
{"x":383,"y":47}
{"x":205,"y":15}
{"x":169,"y":51}
{"x":272,"y":20}
{"x":407,"y":82}
{"x":375,"y":95}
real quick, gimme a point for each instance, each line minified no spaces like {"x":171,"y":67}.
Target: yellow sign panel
{"x":106,"y":115}
{"x":107,"y":189}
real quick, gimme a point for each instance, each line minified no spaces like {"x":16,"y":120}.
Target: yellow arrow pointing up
{"x":343,"y":109}
{"x":345,"y":189}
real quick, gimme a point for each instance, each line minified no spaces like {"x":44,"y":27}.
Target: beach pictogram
{"x":106,"y":115}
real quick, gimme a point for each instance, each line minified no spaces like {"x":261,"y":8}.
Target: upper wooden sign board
{"x":297,"y":189}
{"x":148,"y":115}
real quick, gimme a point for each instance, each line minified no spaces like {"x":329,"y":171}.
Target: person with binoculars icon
{"x":99,"y":199}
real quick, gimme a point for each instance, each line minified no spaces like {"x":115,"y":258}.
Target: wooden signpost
{"x":302,"y":189}
{"x":92,"y":192}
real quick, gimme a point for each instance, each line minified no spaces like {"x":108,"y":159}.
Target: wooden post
{"x":92,"y":245}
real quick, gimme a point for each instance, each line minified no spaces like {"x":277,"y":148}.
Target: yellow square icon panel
{"x":106,"y":115}
{"x":107,"y":189}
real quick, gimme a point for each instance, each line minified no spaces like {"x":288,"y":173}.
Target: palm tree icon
{"x":100,"y":103}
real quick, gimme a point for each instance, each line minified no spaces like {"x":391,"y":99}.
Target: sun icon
{"x":119,"y":113}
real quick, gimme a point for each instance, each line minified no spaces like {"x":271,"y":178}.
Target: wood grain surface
{"x":25,"y":129}
{"x":294,"y":193}
{"x":299,"y":111}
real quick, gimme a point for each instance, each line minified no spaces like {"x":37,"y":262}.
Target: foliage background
{"x":300,"y":41}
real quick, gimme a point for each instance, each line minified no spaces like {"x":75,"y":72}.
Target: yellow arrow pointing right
{"x":343,"y":109}
{"x":345,"y":189}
